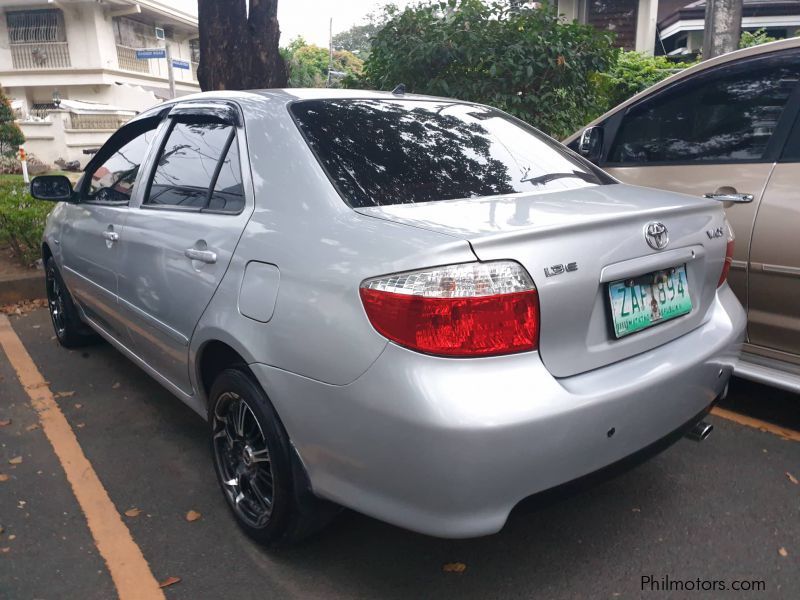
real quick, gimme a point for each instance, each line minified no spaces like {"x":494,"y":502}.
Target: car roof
{"x":730,"y":57}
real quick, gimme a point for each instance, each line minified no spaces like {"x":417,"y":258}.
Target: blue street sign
{"x":148,"y":53}
{"x":180,"y":64}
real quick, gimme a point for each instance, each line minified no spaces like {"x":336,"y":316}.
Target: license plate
{"x":648,"y":300}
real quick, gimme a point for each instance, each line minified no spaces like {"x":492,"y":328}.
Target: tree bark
{"x":723,"y":27}
{"x":239,"y":51}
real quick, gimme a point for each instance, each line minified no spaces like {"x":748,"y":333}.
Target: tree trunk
{"x":723,"y":27}
{"x":239,"y":51}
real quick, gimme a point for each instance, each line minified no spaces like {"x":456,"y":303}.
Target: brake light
{"x":473,"y":309}
{"x":726,"y":267}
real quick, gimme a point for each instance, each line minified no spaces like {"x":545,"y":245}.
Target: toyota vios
{"x":419,"y":308}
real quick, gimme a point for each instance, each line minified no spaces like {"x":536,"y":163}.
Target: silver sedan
{"x":419,"y":308}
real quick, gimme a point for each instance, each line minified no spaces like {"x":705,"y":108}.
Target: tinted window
{"x":113,"y":181}
{"x":380,"y":152}
{"x":188,"y":163}
{"x":724,"y":115}
{"x":228,"y":193}
{"x":791,"y":152}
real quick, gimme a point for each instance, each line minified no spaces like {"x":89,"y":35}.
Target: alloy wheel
{"x":55,"y":301}
{"x":243,"y":462}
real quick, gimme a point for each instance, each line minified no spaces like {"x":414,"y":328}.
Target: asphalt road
{"x":721,"y":510}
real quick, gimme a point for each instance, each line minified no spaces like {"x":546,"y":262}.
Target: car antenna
{"x":399,"y":90}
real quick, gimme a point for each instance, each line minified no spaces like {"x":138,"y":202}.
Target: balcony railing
{"x":195,"y":65}
{"x":126,"y":56}
{"x":40,"y":55}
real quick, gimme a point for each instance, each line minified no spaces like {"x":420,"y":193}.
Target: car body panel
{"x":774,"y":316}
{"x":437,"y":429}
{"x":609,"y":221}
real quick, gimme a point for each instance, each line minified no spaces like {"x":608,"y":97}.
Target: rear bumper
{"x":448,"y":447}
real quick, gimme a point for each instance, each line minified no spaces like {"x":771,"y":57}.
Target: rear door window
{"x":196,"y":169}
{"x":380,"y":152}
{"x":724,"y":115}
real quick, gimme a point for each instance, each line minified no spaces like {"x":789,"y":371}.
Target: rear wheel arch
{"x":213,"y":358}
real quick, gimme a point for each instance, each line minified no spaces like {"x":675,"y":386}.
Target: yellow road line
{"x":126,"y":563}
{"x":787,"y":434}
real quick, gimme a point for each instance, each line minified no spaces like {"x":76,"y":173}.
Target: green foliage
{"x":358,"y":38}
{"x":308,"y":64}
{"x":10,"y":134}
{"x":630,"y":74}
{"x":754,"y":38}
{"x":524,"y":61}
{"x":22,"y":219}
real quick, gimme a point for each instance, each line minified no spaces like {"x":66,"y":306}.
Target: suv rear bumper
{"x":448,"y":447}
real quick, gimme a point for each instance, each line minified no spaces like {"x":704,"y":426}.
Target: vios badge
{"x":656,"y":235}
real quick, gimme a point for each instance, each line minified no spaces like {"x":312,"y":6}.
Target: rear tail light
{"x":473,"y":309}
{"x":726,"y":267}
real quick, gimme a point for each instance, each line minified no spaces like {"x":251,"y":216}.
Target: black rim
{"x":240,"y":450}
{"x":55,"y":300}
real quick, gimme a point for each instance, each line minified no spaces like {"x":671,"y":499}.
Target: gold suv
{"x":728,"y":128}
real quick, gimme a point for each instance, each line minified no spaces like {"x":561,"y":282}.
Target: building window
{"x":38,"y":39}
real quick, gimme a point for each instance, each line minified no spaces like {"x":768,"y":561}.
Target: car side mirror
{"x":590,"y":145}
{"x":53,"y":188}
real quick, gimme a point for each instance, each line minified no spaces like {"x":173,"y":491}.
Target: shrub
{"x":630,"y":74}
{"x":524,"y":61}
{"x":755,"y":38}
{"x":22,"y":219}
{"x":10,"y":134}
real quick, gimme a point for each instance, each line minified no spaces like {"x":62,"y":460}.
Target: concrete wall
{"x":53,"y":140}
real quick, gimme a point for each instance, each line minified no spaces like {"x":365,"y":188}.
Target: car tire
{"x":261,"y":477}
{"x":70,"y":331}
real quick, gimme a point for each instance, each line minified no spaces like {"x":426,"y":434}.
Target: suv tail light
{"x":472,"y":309}
{"x":726,"y":267}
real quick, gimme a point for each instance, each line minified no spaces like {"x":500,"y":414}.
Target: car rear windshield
{"x":381,"y":152}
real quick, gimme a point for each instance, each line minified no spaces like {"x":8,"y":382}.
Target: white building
{"x":71,"y":70}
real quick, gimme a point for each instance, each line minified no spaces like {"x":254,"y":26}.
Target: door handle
{"x":206,"y":256}
{"x":730,"y":197}
{"x":111,"y":236}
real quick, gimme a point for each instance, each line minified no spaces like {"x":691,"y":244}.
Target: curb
{"x":22,"y":287}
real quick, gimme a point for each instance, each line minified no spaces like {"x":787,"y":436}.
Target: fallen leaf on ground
{"x":32,"y":426}
{"x":192,"y":515}
{"x":791,"y":478}
{"x":636,"y":510}
{"x":115,"y":386}
{"x":36,"y":386}
{"x":455,"y":567}
{"x":5,"y":550}
{"x":782,"y":551}
{"x":63,"y":394}
{"x":169,"y":581}
{"x":80,"y":425}
{"x":3,"y":477}
{"x":12,"y":537}
{"x":23,"y":307}
{"x":5,"y":422}
{"x":133,"y":512}
{"x":77,"y":405}
{"x":17,"y":460}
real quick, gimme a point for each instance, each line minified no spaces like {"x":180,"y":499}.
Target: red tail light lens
{"x":475,"y":309}
{"x":726,"y":267}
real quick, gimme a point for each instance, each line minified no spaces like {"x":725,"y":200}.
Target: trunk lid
{"x":602,"y":230}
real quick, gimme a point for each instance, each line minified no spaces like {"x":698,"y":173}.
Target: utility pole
{"x":170,"y":70}
{"x":723,"y":27}
{"x":330,"y":52}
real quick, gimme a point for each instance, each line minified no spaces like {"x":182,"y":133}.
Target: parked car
{"x":728,"y":128}
{"x":415,"y":307}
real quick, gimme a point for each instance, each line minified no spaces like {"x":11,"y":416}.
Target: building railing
{"x":40,"y":55}
{"x":97,"y":121}
{"x":195,"y":65}
{"x":126,"y":56}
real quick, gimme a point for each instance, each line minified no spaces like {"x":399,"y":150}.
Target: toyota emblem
{"x":656,"y":235}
